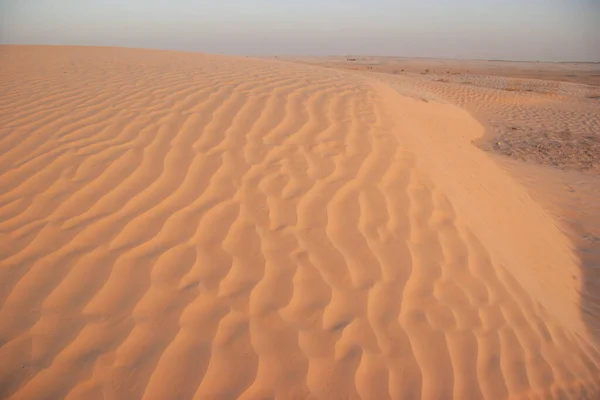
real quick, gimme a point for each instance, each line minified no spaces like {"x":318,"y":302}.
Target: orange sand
{"x":177,"y":225}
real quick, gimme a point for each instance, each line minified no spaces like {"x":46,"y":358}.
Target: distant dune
{"x":185,"y":226}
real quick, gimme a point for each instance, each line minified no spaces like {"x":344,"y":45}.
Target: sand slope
{"x":187,"y":226}
{"x":545,"y":133}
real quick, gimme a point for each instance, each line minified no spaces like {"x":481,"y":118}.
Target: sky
{"x":537,"y":30}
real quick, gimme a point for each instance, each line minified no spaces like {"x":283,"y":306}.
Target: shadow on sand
{"x":588,"y":251}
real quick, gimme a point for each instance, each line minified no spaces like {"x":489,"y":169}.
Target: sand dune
{"x":178,"y":225}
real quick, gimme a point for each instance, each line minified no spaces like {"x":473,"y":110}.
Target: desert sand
{"x":188,"y":226}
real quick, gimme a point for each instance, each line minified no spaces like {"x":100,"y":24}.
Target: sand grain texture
{"x":177,"y":225}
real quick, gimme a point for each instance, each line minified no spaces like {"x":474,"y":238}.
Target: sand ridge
{"x":179,"y":225}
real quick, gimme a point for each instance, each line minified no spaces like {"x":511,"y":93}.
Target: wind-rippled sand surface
{"x":177,"y":225}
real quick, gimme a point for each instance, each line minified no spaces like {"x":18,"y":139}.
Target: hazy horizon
{"x":552,"y":30}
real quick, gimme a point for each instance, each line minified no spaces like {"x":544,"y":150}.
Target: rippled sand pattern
{"x":186,"y":226}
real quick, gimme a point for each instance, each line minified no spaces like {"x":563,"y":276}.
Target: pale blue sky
{"x":553,"y":30}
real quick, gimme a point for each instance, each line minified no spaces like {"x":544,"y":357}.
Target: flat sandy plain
{"x":188,"y":226}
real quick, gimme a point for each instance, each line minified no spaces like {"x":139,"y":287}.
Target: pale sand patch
{"x":178,"y":225}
